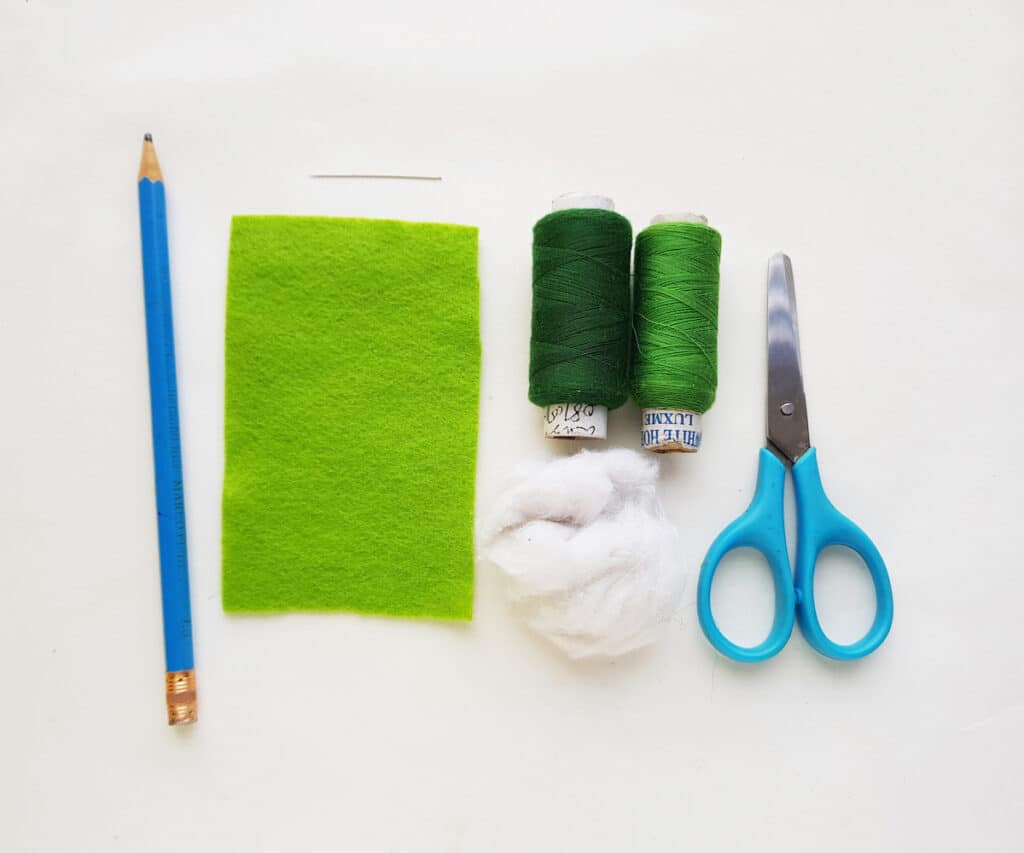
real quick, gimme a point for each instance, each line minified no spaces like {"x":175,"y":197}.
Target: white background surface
{"x":879,"y":143}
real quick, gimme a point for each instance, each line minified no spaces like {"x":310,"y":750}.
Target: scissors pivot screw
{"x":786,"y":408}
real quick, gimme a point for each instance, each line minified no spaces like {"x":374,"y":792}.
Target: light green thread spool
{"x":675,"y":330}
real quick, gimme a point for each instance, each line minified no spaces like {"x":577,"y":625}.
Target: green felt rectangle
{"x":352,"y":386}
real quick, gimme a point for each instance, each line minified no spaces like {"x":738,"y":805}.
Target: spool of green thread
{"x":580,"y":340}
{"x":675,"y":330}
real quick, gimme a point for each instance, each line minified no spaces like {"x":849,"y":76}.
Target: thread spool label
{"x":671,"y":431}
{"x":575,"y":420}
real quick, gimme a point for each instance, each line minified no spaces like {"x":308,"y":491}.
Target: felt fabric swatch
{"x":352,"y":386}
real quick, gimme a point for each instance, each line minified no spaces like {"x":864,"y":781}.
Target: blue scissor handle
{"x":761,"y":527}
{"x":819,"y":525}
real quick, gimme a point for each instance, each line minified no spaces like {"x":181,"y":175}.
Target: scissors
{"x":819,"y":523}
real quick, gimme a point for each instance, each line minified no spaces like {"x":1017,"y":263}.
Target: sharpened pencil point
{"x":149,"y":167}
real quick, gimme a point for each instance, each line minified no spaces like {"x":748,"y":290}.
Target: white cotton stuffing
{"x":592,"y":563}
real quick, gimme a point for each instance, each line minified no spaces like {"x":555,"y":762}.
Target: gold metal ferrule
{"x":181,"y":697}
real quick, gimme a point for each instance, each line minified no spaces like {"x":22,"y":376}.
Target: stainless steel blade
{"x":786,"y":406}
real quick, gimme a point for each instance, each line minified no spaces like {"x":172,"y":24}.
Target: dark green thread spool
{"x":675,"y":330}
{"x":580,"y":340}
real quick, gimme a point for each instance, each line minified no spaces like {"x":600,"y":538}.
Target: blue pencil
{"x":163,"y":396}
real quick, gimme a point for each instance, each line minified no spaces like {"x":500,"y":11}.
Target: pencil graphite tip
{"x":148,"y":137}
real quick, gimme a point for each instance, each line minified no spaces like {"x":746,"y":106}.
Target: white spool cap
{"x":577,"y":420}
{"x":699,"y":218}
{"x":672,"y":430}
{"x":576,"y":201}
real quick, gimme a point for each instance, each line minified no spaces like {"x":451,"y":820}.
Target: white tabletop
{"x":878,"y":143}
